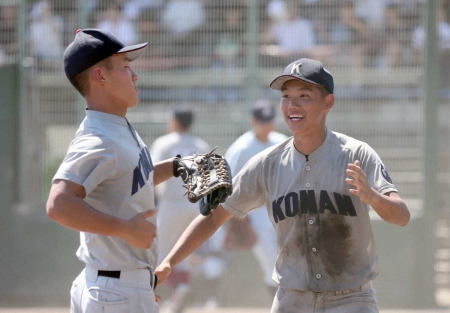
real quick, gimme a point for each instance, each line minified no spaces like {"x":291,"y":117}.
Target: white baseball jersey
{"x":242,"y":150}
{"x":324,"y":236}
{"x":175,"y":212}
{"x":116,"y":170}
{"x":246,"y":146}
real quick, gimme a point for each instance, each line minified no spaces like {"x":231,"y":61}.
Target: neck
{"x":106,"y":107}
{"x":309,"y":143}
{"x":263,"y":137}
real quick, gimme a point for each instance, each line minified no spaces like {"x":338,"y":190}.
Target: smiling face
{"x":304,"y":108}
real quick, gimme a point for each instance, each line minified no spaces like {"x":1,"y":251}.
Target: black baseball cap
{"x":263,"y":111}
{"x":91,"y":46}
{"x":307,"y":70}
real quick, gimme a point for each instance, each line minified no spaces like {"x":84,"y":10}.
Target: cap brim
{"x":133,"y":52}
{"x":278,"y":82}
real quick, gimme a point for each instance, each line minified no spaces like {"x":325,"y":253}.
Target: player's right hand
{"x":163,"y":271}
{"x":140,"y":232}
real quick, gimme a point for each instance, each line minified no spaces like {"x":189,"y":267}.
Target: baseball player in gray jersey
{"x":260,"y":137}
{"x":104,"y":187}
{"x":318,"y":187}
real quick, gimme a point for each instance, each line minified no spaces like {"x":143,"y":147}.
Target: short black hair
{"x":81,"y":80}
{"x":184,"y":115}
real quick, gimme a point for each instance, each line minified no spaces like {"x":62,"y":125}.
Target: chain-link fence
{"x":219,"y":56}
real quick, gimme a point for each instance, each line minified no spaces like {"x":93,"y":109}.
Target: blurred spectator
{"x":357,"y":30}
{"x":181,"y":19}
{"x":294,"y":35}
{"x":8,"y":33}
{"x":291,"y":32}
{"x":149,"y":31}
{"x":228,"y":51}
{"x":229,"y":45}
{"x":116,"y":23}
{"x":46,"y":34}
{"x":397,"y":29}
{"x":133,"y":9}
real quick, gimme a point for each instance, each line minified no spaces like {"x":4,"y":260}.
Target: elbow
{"x":406,"y":218}
{"x":401,"y":218}
{"x":52,"y":212}
{"x":53,"y":208}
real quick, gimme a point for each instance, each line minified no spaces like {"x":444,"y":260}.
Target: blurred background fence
{"x":390,"y":60}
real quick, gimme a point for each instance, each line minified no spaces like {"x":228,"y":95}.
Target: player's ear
{"x":329,"y":101}
{"x":98,"y":75}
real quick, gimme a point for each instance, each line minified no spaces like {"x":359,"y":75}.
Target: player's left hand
{"x":359,"y":180}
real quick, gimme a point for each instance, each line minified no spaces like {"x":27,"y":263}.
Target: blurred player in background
{"x":176,"y":212}
{"x":261,"y":136}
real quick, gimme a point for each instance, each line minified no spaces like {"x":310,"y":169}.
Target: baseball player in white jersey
{"x":104,"y":187}
{"x":260,"y":137}
{"x":175,"y":213}
{"x":318,"y":187}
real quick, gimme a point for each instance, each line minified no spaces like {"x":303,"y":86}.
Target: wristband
{"x":175,"y":166}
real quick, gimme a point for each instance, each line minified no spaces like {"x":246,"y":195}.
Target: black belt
{"x":112,"y":274}
{"x":116,"y":274}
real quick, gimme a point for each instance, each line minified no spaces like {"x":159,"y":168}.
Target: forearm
{"x":163,"y":170}
{"x":200,"y":230}
{"x":391,"y":208}
{"x":76,"y":214}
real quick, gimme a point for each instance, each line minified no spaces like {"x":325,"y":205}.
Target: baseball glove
{"x":207,"y":178}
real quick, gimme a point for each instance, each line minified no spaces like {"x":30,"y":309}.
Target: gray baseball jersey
{"x":116,"y":170}
{"x":324,"y":236}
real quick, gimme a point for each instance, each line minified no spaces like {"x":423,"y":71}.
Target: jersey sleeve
{"x":376,"y":171}
{"x":248,"y":188}
{"x":88,"y":162}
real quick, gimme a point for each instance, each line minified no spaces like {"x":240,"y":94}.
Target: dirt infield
{"x":199,"y":310}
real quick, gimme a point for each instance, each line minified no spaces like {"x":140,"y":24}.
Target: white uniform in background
{"x":175,"y":212}
{"x":244,"y":148}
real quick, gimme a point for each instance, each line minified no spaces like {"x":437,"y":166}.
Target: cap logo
{"x":296,"y":68}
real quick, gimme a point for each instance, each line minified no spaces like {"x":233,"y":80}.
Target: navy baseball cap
{"x":307,"y":70}
{"x":91,"y":46}
{"x":263,"y":111}
{"x":184,"y":115}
